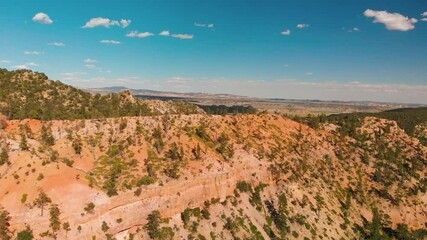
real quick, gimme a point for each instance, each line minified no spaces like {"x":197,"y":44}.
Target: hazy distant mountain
{"x":147,"y":92}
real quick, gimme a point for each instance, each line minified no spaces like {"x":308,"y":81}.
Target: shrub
{"x":146,"y":180}
{"x":26,"y":234}
{"x":89,"y":207}
{"x":24,"y":198}
{"x":243,"y":186}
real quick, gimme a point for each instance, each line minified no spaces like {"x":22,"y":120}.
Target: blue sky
{"x":302,"y":49}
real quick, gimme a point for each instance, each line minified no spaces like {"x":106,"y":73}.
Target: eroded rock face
{"x":127,"y":96}
{"x":194,"y":160}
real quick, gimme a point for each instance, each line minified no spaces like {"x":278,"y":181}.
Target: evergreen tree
{"x":23,"y":145}
{"x":66,"y":227}
{"x":5,"y":232}
{"x":46,"y":135}
{"x":77,"y":146}
{"x":197,"y":152}
{"x":4,"y":156}
{"x":55,"y":223}
{"x":153,"y":224}
{"x":42,"y":200}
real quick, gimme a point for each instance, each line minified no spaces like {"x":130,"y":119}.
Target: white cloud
{"x":139,"y":35}
{"x":208,"y":25}
{"x":110,"y":42}
{"x":56,"y":44}
{"x":303,"y":25}
{"x":20,"y":67}
{"x":26,"y":65}
{"x":106,"y":22}
{"x":90,"y":66}
{"x":309,"y":73}
{"x":286,"y":32}
{"x":89,"y":60}
{"x":125,"y":23}
{"x":32,"y":64}
{"x":42,"y":18}
{"x":165,"y":33}
{"x":392,"y":21}
{"x":5,"y":61}
{"x":183,"y":36}
{"x":32,"y":53}
{"x":424,"y":14}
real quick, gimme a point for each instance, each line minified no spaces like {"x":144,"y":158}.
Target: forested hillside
{"x":412,"y":120}
{"x":206,"y":176}
{"x":27,"y":94}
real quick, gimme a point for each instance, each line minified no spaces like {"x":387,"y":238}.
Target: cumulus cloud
{"x":89,"y":60}
{"x":424,"y":14}
{"x":110,"y":42}
{"x":207,"y":25}
{"x":286,"y":32}
{"x":137,"y":34}
{"x":106,"y":22}
{"x":303,"y":25}
{"x":183,"y":36}
{"x":42,"y":18}
{"x":165,"y":33}
{"x":392,"y":21}
{"x":32,"y":53}
{"x":125,"y":23}
{"x":56,"y":44}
